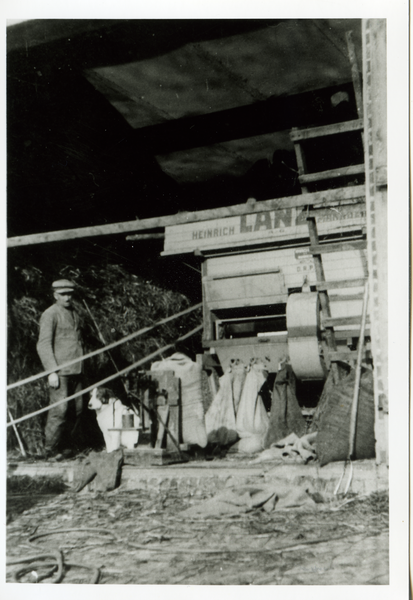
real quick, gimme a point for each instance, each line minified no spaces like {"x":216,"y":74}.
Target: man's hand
{"x":54,"y":380}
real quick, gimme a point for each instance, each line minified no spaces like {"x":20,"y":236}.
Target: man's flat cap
{"x":63,"y":285}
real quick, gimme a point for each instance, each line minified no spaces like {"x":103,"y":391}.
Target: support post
{"x":324,"y":301}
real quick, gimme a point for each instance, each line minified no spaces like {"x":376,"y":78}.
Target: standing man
{"x":60,"y":342}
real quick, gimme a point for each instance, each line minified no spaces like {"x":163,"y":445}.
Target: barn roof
{"x":111,"y":120}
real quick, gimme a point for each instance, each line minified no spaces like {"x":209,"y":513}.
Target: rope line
{"x":129,"y":337}
{"x":107,"y":379}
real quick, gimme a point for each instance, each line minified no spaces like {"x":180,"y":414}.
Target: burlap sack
{"x":334,"y":425}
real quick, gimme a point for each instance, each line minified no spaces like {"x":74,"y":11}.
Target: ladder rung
{"x":338,"y":247}
{"x":345,"y":355}
{"x":273,"y":271}
{"x":349,"y":355}
{"x":332,"y":173}
{"x":322,"y":286}
{"x":345,"y":297}
{"x":347,"y":334}
{"x":297,"y":135}
{"x":338,"y":321}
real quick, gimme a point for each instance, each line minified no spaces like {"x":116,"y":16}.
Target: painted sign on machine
{"x":262,"y":227}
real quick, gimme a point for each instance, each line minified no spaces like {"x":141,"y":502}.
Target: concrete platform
{"x":211,"y":476}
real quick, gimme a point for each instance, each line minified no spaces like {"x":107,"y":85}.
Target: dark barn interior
{"x":113,"y":120}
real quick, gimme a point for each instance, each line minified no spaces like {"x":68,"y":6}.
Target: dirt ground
{"x":138,"y":537}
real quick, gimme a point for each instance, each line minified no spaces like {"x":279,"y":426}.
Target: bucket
{"x":128,"y":421}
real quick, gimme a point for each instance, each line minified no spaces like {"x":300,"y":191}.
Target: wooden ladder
{"x":298,"y":136}
{"x":331,"y":354}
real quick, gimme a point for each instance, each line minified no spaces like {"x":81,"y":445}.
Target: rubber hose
{"x":20,"y":572}
{"x":57,"y":555}
{"x":81,"y":529}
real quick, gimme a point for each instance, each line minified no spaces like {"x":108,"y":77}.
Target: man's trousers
{"x":62,"y":420}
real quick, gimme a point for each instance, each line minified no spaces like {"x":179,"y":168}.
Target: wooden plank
{"x":336,"y":285}
{"x":207,"y":317}
{"x":345,"y":298}
{"x":355,"y":73}
{"x":319,"y":270}
{"x":262,"y":317}
{"x":174,"y":397}
{"x":163,"y":412}
{"x":346,"y":334}
{"x":325,"y":130}
{"x":338,"y":321}
{"x":338,"y":247}
{"x":300,"y":157}
{"x":142,"y":456}
{"x":235,"y":275}
{"x":315,"y":198}
{"x":381,"y":176}
{"x":330,"y":340}
{"x":229,"y":303}
{"x":170,"y":384}
{"x":344,"y":355}
{"x":173,"y":426}
{"x":332,"y":174}
{"x":273,"y":339}
{"x":146,"y":421}
{"x":168,"y":408}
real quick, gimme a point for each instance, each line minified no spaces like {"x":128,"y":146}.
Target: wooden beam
{"x":338,"y":247}
{"x":163,"y":414}
{"x":344,"y":355}
{"x":356,"y":193}
{"x":324,"y":300}
{"x":332,"y":174}
{"x":338,"y":285}
{"x":316,"y":132}
{"x":355,"y":73}
{"x":208,"y":317}
{"x":346,"y":297}
{"x":346,"y":334}
{"x":142,"y":237}
{"x":300,"y":157}
{"x":338,"y":321}
{"x":255,"y":318}
{"x":340,"y":355}
{"x":282,"y":338}
{"x":235,"y":275}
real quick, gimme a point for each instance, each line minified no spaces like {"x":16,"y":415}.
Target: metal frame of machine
{"x":254,"y":265}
